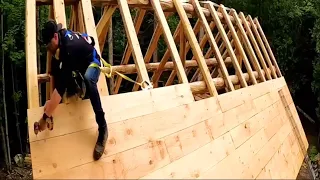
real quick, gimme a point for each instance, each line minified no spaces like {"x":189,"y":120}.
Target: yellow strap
{"x":107,"y":65}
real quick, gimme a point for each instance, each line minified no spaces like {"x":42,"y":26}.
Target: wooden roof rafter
{"x":229,"y":39}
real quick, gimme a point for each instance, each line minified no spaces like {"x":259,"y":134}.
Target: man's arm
{"x":52,"y":104}
{"x":60,"y":85}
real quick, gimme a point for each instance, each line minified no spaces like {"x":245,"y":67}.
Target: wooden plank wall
{"x":180,"y":139}
{"x":252,"y":131}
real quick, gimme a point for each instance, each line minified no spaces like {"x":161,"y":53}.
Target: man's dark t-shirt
{"x":76,"y":53}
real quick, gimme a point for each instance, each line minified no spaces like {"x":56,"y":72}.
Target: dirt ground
{"x":16,"y":173}
{"x":304,"y":172}
{"x":26,"y":173}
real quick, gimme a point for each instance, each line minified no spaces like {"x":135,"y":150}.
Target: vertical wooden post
{"x":59,"y":12}
{"x":31,"y":55}
{"x":50,"y":84}
{"x":91,"y":29}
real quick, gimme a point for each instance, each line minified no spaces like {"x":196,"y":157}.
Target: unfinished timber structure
{"x":219,"y":106}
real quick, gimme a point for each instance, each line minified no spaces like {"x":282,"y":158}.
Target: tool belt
{"x":77,"y":85}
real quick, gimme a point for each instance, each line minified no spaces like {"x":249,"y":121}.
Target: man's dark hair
{"x":50,"y":27}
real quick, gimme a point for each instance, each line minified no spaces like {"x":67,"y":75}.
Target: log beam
{"x":167,"y":5}
{"x":151,"y":67}
{"x":199,"y":87}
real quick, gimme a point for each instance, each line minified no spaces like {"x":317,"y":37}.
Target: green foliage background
{"x":291,"y":26}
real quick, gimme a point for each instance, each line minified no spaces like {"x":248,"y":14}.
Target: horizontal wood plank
{"x":164,"y":138}
{"x":123,"y":135}
{"x":78,"y":116}
{"x":198,"y":161}
{"x":244,"y":156}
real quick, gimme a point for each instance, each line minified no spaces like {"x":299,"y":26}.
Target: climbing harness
{"x":108,"y":67}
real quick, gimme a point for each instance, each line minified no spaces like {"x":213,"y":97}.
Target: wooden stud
{"x":91,"y":29}
{"x":195,"y":47}
{"x":75,"y":23}
{"x":81,"y":24}
{"x":31,"y":55}
{"x":50,"y":84}
{"x":248,"y":46}
{"x":268,"y":46}
{"x":72,"y":18}
{"x":60,"y":18}
{"x":59,"y":12}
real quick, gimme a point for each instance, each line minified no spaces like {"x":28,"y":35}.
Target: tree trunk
{"x":4,"y":145}
{"x":38,"y":50}
{"x":16,"y":112}
{"x":4,"y":99}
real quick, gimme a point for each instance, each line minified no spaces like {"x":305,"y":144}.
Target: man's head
{"x":50,"y":35}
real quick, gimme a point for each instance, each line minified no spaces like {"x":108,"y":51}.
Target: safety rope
{"x":108,"y":66}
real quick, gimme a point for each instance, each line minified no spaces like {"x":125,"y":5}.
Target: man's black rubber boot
{"x":101,"y":142}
